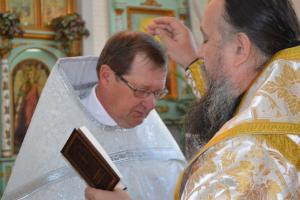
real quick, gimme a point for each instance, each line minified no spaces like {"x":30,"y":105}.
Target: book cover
{"x":91,"y":161}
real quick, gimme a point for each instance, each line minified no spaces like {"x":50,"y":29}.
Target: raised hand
{"x":176,"y":37}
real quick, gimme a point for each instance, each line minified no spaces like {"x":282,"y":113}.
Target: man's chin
{"x":133,"y":123}
{"x":137,"y":121}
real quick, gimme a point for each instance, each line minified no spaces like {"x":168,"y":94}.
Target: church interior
{"x":36,"y":33}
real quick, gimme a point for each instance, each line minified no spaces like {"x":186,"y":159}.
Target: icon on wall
{"x":29,"y":78}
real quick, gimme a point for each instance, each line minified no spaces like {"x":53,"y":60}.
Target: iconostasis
{"x":26,"y":61}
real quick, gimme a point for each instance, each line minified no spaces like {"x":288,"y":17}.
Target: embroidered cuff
{"x":187,"y":68}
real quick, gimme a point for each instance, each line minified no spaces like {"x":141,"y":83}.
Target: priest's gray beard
{"x":209,"y":114}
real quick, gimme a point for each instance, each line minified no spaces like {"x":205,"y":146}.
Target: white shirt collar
{"x":95,"y":107}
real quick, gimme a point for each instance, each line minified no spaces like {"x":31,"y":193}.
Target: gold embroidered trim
{"x":287,"y":147}
{"x":292,"y":53}
{"x":257,"y":127}
{"x":197,"y":75}
{"x":178,"y":185}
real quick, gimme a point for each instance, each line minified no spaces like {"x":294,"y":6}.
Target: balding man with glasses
{"x":132,"y":72}
{"x":132,"y":75}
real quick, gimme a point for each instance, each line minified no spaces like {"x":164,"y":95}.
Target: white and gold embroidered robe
{"x":255,"y":155}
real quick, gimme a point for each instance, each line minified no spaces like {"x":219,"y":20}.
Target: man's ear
{"x":242,"y":49}
{"x":105,"y":74}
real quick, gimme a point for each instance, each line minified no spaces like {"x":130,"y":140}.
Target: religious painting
{"x":28,"y":80}
{"x":138,"y":20}
{"x":24,"y":9}
{"x":38,"y":14}
{"x":52,"y":9}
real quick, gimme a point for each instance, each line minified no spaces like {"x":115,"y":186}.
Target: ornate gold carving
{"x":39,"y":36}
{"x":38,"y":17}
{"x":75,"y":48}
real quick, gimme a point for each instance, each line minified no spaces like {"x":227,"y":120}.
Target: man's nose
{"x":149,"y":102}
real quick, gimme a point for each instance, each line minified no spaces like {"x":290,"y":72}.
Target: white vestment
{"x":147,"y":156}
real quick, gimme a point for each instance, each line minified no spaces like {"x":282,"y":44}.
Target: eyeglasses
{"x":141,"y":93}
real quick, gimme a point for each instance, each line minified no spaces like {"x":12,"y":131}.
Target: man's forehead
{"x":149,"y":82}
{"x":142,"y":62}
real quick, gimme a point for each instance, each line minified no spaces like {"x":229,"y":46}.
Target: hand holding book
{"x":91,"y":161}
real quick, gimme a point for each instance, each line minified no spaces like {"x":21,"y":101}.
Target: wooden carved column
{"x":119,"y":20}
{"x":5,"y":118}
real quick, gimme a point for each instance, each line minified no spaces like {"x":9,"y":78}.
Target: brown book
{"x":91,"y":161}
